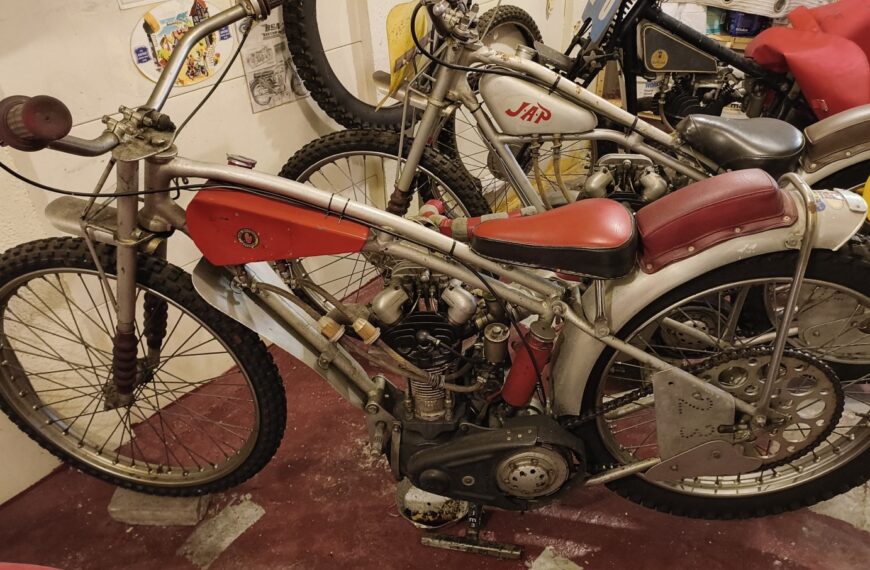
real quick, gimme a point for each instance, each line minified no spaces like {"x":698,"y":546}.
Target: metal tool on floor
{"x":472,"y":542}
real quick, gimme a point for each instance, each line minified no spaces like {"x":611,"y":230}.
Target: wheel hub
{"x":534,"y":473}
{"x":807,"y":399}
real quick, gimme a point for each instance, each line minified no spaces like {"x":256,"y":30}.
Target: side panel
{"x":234,"y":228}
{"x":838,"y":219}
{"x":520,"y":108}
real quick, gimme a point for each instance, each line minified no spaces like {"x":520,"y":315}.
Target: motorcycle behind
{"x":706,"y":357}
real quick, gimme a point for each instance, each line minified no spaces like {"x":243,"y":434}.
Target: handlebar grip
{"x":32,"y":123}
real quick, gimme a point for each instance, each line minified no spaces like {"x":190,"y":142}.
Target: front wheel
{"x":823,"y":449}
{"x":208,"y":407}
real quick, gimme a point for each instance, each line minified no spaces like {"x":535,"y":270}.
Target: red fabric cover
{"x":701,"y":215}
{"x":596,"y":223}
{"x":833,"y":72}
{"x":10,"y":566}
{"x":848,"y":19}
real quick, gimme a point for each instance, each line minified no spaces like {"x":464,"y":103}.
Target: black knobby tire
{"x":511,"y":16}
{"x":848,"y":267}
{"x":175,"y":284}
{"x":309,"y":57}
{"x":457,"y":180}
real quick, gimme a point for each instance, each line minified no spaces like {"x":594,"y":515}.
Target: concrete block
{"x":137,"y":509}
{"x":549,"y":560}
{"x":852,"y":507}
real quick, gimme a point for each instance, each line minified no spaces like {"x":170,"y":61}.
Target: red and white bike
{"x":706,"y":357}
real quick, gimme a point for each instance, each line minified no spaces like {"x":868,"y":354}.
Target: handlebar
{"x":32,"y":123}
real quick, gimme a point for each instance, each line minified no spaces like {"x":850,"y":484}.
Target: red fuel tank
{"x":234,"y":228}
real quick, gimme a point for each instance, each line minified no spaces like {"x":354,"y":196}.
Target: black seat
{"x":594,"y":237}
{"x":769,"y":144}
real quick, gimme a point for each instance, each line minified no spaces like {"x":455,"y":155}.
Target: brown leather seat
{"x":701,"y":215}
{"x":594,"y":237}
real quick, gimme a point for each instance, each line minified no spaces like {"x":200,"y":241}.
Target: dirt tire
{"x":843,"y":267}
{"x":175,"y":285}
{"x":327,"y":90}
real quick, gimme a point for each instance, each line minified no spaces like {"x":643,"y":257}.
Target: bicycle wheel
{"x":343,"y":102}
{"x":822,"y":449}
{"x":363,"y":166}
{"x":208,"y":409}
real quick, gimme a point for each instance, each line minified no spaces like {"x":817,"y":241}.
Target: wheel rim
{"x":179,"y":431}
{"x":367,"y":177}
{"x":629,"y":433}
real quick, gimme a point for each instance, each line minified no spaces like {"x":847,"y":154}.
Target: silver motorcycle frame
{"x":132,"y":230}
{"x":451,"y":90}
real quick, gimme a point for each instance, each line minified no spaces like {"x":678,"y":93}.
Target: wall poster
{"x":160,"y":29}
{"x":269,"y":71}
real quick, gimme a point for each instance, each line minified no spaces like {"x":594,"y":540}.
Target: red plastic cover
{"x":832,"y":71}
{"x":848,"y":19}
{"x":234,"y":228}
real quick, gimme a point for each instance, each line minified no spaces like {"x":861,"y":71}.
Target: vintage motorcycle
{"x":712,"y":364}
{"x":536,"y":127}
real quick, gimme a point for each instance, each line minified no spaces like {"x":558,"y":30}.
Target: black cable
{"x":217,"y":83}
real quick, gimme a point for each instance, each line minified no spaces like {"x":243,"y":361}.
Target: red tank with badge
{"x":233,"y":228}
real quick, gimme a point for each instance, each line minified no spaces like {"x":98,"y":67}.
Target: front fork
{"x":127,"y":372}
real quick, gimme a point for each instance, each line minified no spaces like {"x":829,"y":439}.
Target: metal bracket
{"x":716,"y":457}
{"x":688,"y":414}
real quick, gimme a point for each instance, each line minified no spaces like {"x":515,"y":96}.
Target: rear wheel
{"x":208,"y":410}
{"x":824,"y":449}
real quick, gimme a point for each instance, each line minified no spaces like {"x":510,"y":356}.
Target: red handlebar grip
{"x":31,"y":123}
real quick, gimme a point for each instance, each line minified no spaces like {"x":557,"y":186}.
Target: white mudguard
{"x":839,"y":215}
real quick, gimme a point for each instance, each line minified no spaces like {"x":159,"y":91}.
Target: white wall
{"x":78,"y":51}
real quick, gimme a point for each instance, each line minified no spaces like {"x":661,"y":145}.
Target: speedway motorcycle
{"x":712,"y":363}
{"x":537,"y":127}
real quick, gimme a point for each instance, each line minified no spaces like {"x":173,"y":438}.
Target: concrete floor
{"x":323,"y":502}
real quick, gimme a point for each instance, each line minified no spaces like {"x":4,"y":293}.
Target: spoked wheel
{"x":208,"y":407}
{"x":338,"y":95}
{"x":709,"y":328}
{"x":363,"y":166}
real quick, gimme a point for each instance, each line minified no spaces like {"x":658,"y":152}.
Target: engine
{"x":631,"y":178}
{"x":467,"y":394}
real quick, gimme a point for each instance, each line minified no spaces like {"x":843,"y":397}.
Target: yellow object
{"x":401,"y":43}
{"x":866,"y":194}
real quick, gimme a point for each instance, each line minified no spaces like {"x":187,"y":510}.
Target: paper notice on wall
{"x":125,"y":4}
{"x":269,"y":71}
{"x":162,"y":27}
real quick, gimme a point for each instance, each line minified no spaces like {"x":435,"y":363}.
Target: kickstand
{"x":471,"y":542}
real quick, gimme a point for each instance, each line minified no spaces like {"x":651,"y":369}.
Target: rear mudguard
{"x":840,"y":215}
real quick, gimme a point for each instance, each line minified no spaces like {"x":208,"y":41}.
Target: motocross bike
{"x":794,"y":74}
{"x":714,"y":366}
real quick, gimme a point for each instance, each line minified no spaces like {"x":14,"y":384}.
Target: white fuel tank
{"x":520,"y":108}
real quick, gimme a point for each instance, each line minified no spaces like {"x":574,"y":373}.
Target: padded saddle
{"x":594,"y":237}
{"x":734,"y":144}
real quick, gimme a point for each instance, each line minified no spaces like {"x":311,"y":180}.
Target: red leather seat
{"x":701,"y":215}
{"x":594,"y":237}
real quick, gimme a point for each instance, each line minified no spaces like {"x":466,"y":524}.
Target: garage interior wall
{"x":80,"y":52}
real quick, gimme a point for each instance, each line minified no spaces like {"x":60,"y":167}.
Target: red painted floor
{"x":328,"y":505}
